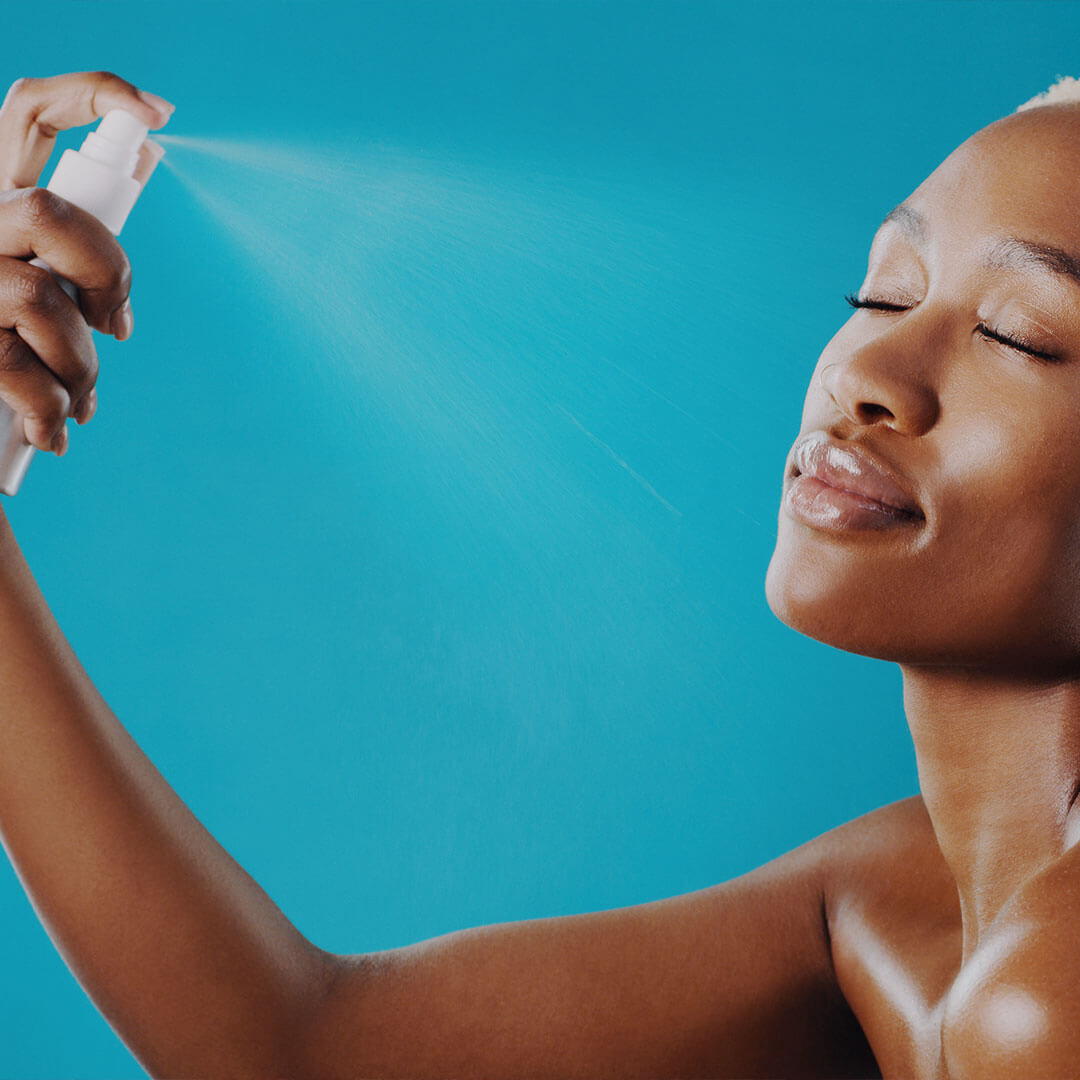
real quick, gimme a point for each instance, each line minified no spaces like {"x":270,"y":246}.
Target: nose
{"x":883,"y":381}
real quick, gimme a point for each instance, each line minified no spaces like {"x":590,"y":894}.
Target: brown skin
{"x":46,"y":351}
{"x":933,"y":935}
{"x":979,"y":605}
{"x":193,"y":965}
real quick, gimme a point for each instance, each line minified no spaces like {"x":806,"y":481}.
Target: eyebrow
{"x":1007,"y":253}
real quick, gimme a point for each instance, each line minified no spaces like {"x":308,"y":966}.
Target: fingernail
{"x":122,"y":322}
{"x":159,"y":103}
{"x":60,"y":442}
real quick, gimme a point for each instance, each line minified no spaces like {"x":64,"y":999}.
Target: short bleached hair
{"x":1065,"y":90}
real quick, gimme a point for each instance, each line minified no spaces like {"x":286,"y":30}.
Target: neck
{"x":999,"y":770}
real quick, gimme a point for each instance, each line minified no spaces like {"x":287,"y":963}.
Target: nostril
{"x":873,"y":412}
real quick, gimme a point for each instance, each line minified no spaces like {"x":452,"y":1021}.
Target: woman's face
{"x":984,"y":437}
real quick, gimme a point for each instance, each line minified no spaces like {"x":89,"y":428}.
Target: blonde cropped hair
{"x":1066,"y":89}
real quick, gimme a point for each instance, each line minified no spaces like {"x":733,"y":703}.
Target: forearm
{"x":187,"y":958}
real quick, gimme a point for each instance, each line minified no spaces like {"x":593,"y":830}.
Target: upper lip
{"x":842,"y":464}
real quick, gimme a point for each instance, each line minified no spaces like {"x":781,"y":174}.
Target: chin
{"x":871,"y":610}
{"x":839,"y":606}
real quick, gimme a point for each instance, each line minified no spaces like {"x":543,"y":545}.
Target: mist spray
{"x":98,"y":178}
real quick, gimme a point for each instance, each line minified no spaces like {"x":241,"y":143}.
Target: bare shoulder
{"x":885,"y":877}
{"x":872,"y":850}
{"x":897,"y":825}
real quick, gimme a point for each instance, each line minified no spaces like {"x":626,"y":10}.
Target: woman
{"x":928,"y":517}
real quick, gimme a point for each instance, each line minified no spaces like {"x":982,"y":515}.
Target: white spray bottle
{"x":98,"y":178}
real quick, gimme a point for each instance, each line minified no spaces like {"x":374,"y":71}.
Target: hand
{"x":48,"y":363}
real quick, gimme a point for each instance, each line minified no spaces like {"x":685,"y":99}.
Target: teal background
{"x":423,"y":550}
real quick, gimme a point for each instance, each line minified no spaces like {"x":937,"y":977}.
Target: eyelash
{"x":1036,"y":354}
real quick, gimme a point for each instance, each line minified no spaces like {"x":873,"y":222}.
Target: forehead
{"x":1019,"y":175}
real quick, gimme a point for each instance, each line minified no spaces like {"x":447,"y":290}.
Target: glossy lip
{"x":849,"y":467}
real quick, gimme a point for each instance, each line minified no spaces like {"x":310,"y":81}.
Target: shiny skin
{"x":931,"y":938}
{"x":979,"y":607}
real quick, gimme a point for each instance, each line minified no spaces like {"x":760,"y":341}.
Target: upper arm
{"x":734,"y":980}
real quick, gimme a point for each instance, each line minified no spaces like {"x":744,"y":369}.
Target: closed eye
{"x":878,"y":305}
{"x":982,"y":328}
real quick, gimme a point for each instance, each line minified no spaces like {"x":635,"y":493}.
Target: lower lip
{"x":826,"y":507}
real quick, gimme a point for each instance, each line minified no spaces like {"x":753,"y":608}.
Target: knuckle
{"x":42,"y":207}
{"x":109,"y":80}
{"x":19,"y":89}
{"x":35,"y":288}
{"x":15,"y":354}
{"x":50,"y":407}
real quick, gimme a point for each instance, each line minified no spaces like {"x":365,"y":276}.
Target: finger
{"x":150,"y":153}
{"x":47,"y":356}
{"x":34,"y":307}
{"x":34,"y":221}
{"x":32,"y":432}
{"x":36,"y":109}
{"x":32,"y":391}
{"x":85,"y":408}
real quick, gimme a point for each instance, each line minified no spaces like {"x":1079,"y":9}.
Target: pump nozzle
{"x":116,"y":141}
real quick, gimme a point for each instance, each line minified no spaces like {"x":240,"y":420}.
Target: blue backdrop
{"x":421,"y":533}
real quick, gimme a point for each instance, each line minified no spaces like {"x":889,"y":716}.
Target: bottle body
{"x":15,"y":451}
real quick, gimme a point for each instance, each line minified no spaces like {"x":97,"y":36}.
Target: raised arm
{"x":202,"y":975}
{"x":189,"y":961}
{"x":186,"y":957}
{"x":193,"y":965}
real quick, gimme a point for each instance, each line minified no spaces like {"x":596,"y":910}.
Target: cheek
{"x":1006,"y":535}
{"x":1011,"y":487}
